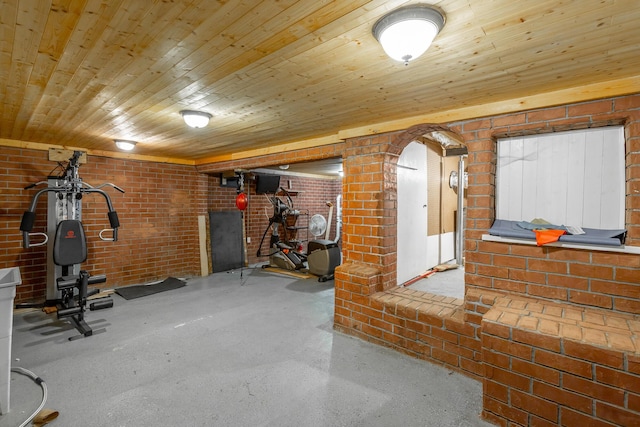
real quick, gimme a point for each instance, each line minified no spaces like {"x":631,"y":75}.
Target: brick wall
{"x":538,"y":388}
{"x":158,"y":213}
{"x":591,"y":278}
{"x":313,"y":192}
{"x":548,"y":364}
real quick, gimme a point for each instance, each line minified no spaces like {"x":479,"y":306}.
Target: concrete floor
{"x":449,"y":283}
{"x":226,"y":351}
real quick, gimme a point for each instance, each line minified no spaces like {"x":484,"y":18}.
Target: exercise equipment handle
{"x":30,"y":186}
{"x":113,"y":237}
{"x":108,"y":184}
{"x":112,"y":214}
{"x":28,"y":218}
{"x":26,"y":239}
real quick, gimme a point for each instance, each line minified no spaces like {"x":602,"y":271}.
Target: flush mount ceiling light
{"x":407,"y":32}
{"x":124,"y":144}
{"x":195,"y":119}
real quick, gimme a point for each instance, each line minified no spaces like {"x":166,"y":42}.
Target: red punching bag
{"x":242,"y":201}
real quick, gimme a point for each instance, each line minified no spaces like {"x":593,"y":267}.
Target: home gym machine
{"x":67,"y":284}
{"x":282,"y":253}
{"x":323,"y":255}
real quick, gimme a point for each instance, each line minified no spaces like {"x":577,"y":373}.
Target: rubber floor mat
{"x":138,"y":291}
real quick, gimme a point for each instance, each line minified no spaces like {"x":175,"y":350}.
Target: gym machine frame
{"x":323,"y":255}
{"x":65,"y":194}
{"x":282,"y":254}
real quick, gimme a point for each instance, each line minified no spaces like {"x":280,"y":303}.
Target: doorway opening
{"x":431,"y":205}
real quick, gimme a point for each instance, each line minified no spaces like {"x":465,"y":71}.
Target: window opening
{"x":573,"y":178}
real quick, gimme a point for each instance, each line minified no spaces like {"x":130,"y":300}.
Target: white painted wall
{"x":440,"y":249}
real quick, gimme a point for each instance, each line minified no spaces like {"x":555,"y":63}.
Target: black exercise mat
{"x":132,"y":292}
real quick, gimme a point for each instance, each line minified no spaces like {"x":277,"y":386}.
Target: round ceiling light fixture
{"x":124,"y":144}
{"x":407,"y":32}
{"x":195,"y":119}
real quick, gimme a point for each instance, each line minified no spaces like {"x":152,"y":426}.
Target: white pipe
{"x":460,"y":213}
{"x":328,"y":231}
{"x":338,"y":218}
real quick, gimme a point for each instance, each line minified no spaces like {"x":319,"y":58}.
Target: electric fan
{"x":323,"y":256}
{"x":317,"y":225}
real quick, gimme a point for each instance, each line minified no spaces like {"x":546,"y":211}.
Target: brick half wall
{"x":461,"y":335}
{"x":581,"y":277}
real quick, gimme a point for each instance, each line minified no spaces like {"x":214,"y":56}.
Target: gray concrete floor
{"x":226,"y":351}
{"x":449,"y":283}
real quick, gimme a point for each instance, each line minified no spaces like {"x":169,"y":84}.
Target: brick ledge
{"x":627,"y":249}
{"x":593,"y":326}
{"x":412,"y":302}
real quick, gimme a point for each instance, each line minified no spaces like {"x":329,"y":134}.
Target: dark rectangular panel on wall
{"x":227,"y":251}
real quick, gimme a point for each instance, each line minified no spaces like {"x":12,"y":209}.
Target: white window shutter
{"x":567,"y":178}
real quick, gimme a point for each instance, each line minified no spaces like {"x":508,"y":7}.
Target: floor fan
{"x":317,"y":225}
{"x":323,"y":256}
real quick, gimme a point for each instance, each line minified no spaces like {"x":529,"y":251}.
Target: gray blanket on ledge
{"x":593,"y":236}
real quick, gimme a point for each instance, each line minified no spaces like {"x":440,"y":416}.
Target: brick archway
{"x":368,"y":303}
{"x":411,"y":134}
{"x":370,"y":201}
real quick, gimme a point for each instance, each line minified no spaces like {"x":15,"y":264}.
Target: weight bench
{"x":70,"y":249}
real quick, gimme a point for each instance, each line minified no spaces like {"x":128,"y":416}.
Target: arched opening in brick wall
{"x":370,"y":198}
{"x":430,"y":210}
{"x":368,"y":302}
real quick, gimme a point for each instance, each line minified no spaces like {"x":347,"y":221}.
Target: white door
{"x":412,"y":212}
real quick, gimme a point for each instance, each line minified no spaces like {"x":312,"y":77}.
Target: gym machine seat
{"x":69,"y":249}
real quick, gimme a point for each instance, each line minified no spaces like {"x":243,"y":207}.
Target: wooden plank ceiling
{"x":81,"y":73}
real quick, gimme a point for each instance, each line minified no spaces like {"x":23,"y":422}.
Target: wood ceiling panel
{"x":186,"y":84}
{"x":83,"y":72}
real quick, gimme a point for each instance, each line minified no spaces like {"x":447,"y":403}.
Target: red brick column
{"x":369,"y":206}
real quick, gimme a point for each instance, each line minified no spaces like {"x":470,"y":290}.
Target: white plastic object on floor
{"x":9,"y":279}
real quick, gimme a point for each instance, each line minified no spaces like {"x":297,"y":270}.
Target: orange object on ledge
{"x":544,"y":236}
